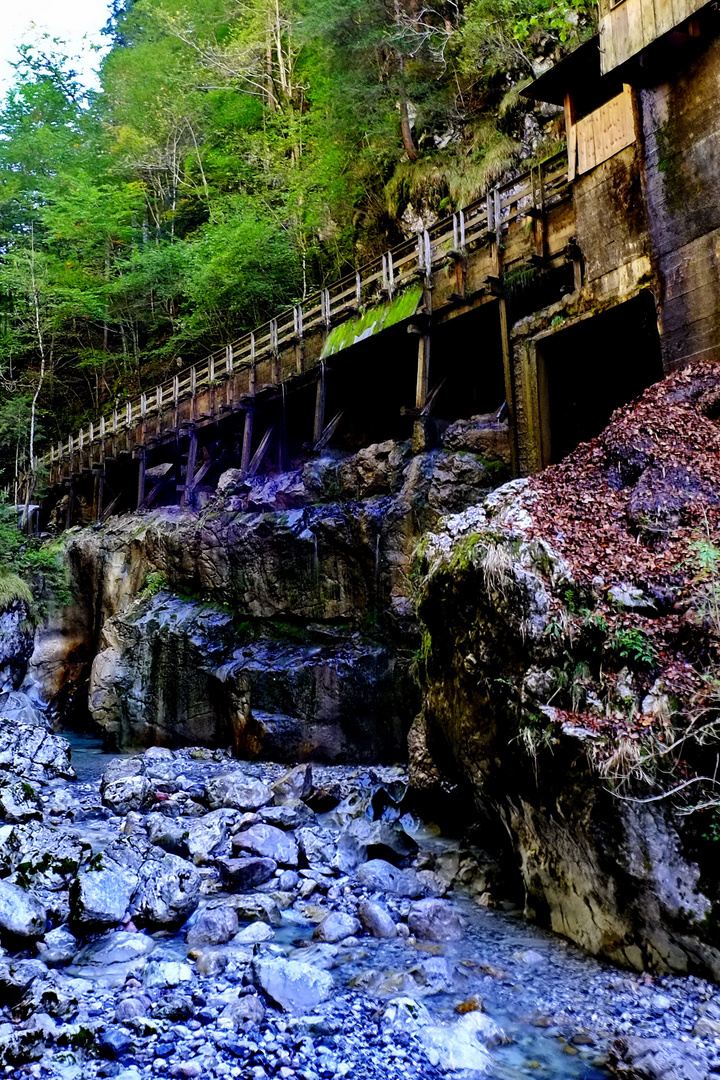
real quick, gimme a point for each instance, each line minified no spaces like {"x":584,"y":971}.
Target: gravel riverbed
{"x":183,"y":914}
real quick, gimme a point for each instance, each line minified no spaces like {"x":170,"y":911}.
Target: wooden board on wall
{"x":631,"y":25}
{"x":605,"y":131}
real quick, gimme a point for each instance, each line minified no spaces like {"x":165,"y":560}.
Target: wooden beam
{"x":203,"y":471}
{"x":156,"y":489}
{"x":423,"y":371}
{"x":509,"y":382}
{"x":329,"y":431}
{"x":247,"y":440}
{"x":109,"y":509}
{"x":141,"y":479}
{"x":190,"y":471}
{"x":320,"y":395}
{"x":261,"y":451}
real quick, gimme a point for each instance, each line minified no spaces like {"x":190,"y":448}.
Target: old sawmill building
{"x":563,"y":293}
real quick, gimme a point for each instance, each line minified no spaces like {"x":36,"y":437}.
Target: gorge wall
{"x":280,"y":621}
{"x":570,"y":661}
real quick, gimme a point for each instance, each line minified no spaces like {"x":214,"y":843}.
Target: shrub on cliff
{"x":30,"y":571}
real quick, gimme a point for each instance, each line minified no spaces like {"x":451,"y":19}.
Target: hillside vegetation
{"x":237,"y":155}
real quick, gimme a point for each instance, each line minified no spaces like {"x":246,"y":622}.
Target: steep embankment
{"x":571,"y":664}
{"x":280,"y":621}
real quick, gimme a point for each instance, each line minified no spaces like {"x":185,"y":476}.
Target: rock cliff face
{"x":570,"y":661}
{"x":280,"y":621}
{"x":16,"y":644}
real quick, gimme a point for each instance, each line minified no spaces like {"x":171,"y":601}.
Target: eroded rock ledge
{"x":279,"y":621}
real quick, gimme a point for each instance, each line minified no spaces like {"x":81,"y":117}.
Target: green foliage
{"x":155,"y":581}
{"x":632,"y":646}
{"x":235,"y":158}
{"x":705,"y":557}
{"x":30,"y":571}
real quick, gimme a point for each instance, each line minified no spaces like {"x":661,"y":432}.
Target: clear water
{"x":492,"y":938}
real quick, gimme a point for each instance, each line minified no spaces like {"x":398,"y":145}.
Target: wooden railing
{"x":488,"y":218}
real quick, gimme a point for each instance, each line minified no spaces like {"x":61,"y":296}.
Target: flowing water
{"x":524,"y":977}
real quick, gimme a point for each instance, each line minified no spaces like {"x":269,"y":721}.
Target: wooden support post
{"x":420,"y":440}
{"x":261,"y":451}
{"x":141,"y":479}
{"x":423,"y":371}
{"x":509,"y":382}
{"x":538,"y":193}
{"x":247,"y":440}
{"x":97,"y":494}
{"x":320,"y":395}
{"x":70,"y":506}
{"x":190,"y":471}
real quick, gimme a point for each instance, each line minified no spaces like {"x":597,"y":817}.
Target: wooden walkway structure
{"x":459,"y":263}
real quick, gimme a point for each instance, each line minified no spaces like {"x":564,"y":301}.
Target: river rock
{"x":100,"y":897}
{"x":16,"y":976}
{"x":168,"y":892}
{"x":21,"y":915}
{"x":362,"y":840}
{"x":270,"y":843}
{"x":253,"y":934}
{"x":171,"y":834}
{"x":213,"y":926}
{"x":19,"y":802}
{"x":34,"y":754}
{"x":127,"y":793}
{"x":161,"y":974}
{"x":317,"y":845}
{"x":288,"y":816}
{"x":245,"y":1012}
{"x":252,"y":907}
{"x":111,"y":958}
{"x":296,"y":987}
{"x":237,"y":791}
{"x":635,"y":1058}
{"x":380,"y":876}
{"x":404,"y":1014}
{"x":206,"y":835}
{"x":336,"y":926}
{"x":376,"y":920}
{"x":295,"y":786}
{"x":434,"y":920}
{"x":60,"y":947}
{"x":455,"y":1047}
{"x":245,"y":873}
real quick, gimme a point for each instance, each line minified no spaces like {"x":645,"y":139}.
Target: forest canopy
{"x":238,"y":154}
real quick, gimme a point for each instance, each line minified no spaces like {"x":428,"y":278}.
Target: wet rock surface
{"x":416,"y":970}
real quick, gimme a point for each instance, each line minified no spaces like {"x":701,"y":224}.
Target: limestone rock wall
{"x":601,"y":861}
{"x":279,"y":621}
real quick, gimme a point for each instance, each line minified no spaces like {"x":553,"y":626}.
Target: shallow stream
{"x":550,"y":998}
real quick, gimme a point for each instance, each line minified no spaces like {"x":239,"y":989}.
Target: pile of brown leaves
{"x":631,"y":506}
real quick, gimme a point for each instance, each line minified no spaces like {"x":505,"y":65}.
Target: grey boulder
{"x":21,"y":915}
{"x":336,"y":926}
{"x":294,"y":986}
{"x":376,"y":920}
{"x":434,"y":920}
{"x":237,"y":791}
{"x":269,"y":843}
{"x":213,"y":926}
{"x":380,"y":876}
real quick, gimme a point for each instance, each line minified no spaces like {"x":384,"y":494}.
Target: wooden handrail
{"x":418,"y":256}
